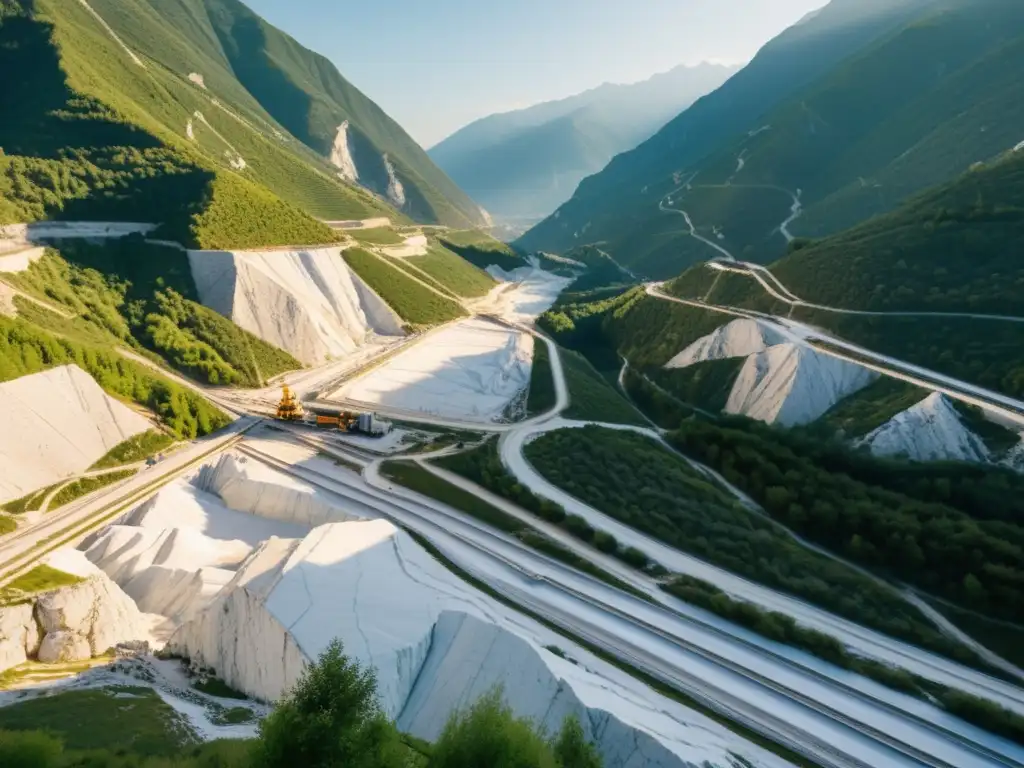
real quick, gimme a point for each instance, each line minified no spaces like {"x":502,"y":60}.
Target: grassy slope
{"x":77,"y":114}
{"x":302,"y":92}
{"x":143,"y":296}
{"x":481,"y":249}
{"x":413,"y":303}
{"x":455,"y":273}
{"x":591,"y":397}
{"x":542,"y":395}
{"x":872,"y":407}
{"x":135,"y":449}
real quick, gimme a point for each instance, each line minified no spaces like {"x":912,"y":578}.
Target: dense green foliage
{"x":542,"y":396}
{"x":415,"y":304}
{"x":481,"y":249}
{"x":873,"y":406}
{"x":483,"y":466}
{"x":422,"y":481}
{"x":591,"y":397}
{"x":783,"y":629}
{"x":236,"y":213}
{"x":25,"y":349}
{"x":87,"y":485}
{"x":640,"y":483}
{"x":951,"y":250}
{"x":703,"y":385}
{"x":489,"y":734}
{"x":453,"y":272}
{"x":144,"y":295}
{"x":815,"y":491}
{"x":138,"y":448}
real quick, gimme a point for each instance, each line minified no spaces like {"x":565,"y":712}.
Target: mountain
{"x":524,"y":164}
{"x":182,"y":112}
{"x":842,"y":116}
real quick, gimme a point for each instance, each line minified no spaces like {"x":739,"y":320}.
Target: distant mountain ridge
{"x":527,"y":162}
{"x":786,"y":109}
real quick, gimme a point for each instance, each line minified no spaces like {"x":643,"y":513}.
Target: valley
{"x":721,"y":464}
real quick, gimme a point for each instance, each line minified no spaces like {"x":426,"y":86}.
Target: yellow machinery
{"x":288,"y":409}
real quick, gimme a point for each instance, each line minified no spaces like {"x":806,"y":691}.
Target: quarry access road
{"x":693,"y":229}
{"x":1008,"y":408}
{"x":779,"y":291}
{"x":861,"y":640}
{"x":833,"y":723}
{"x":19,"y":551}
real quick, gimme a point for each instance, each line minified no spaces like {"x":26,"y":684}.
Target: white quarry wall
{"x":469,"y":657}
{"x":57,"y":424}
{"x":305,"y":301}
{"x":435,"y":642}
{"x":470,"y":370}
{"x":72,"y":623}
{"x":740,"y":338}
{"x":791,"y":384}
{"x":341,"y":155}
{"x":249,"y":486}
{"x":929,"y":431}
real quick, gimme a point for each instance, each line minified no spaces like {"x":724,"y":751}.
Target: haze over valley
{"x":676,"y":423}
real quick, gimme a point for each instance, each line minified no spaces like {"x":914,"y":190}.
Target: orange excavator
{"x":289,"y":408}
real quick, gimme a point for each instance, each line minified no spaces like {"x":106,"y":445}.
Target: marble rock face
{"x":436,"y":644}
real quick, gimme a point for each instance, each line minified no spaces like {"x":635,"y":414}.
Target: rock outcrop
{"x":252,"y":487}
{"x":792,"y":384}
{"x":57,"y":424}
{"x":307,"y":302}
{"x":72,"y":623}
{"x":341,"y":155}
{"x":932,"y":430}
{"x":740,"y":338}
{"x":435,"y":642}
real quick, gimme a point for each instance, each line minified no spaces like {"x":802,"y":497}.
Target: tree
{"x":572,"y":750}
{"x":488,"y":734}
{"x":331,"y":719}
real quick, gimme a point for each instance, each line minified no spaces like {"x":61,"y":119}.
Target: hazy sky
{"x":435,"y":65}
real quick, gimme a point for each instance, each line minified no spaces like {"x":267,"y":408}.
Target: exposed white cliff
{"x":932,"y":430}
{"x":791,"y":384}
{"x":72,"y":623}
{"x":305,"y":301}
{"x":252,"y":487}
{"x":396,"y":192}
{"x":435,"y":642}
{"x":739,"y":338}
{"x":57,"y":424}
{"x":172,"y":572}
{"x":341,"y":155}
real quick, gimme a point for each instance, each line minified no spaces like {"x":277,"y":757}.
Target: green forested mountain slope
{"x":527,"y":162}
{"x":921,"y":91}
{"x":956,"y":248}
{"x":622,"y":194}
{"x":125,"y":112}
{"x":94,"y":130}
{"x":303,"y":92}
